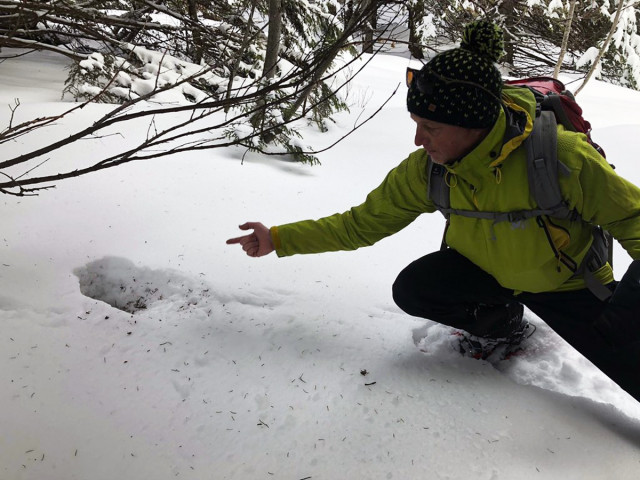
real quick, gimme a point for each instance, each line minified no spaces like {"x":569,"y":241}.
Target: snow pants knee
{"x":445,"y":287}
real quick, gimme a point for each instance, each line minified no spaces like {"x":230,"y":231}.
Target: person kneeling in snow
{"x":473,"y":127}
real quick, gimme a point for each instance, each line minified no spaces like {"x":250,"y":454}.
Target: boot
{"x":496,"y":327}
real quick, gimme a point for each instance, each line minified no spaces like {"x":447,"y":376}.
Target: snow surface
{"x":137,"y":345}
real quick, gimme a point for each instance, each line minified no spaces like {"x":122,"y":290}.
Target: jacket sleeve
{"x":393,"y":205}
{"x":606,"y":199}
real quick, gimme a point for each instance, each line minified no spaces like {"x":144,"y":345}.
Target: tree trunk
{"x":416,"y":12}
{"x":273,"y":38}
{"x":270,"y":63}
{"x":605,"y":46}
{"x":196,"y":36}
{"x":565,"y":38}
{"x":370,"y":27}
{"x":348,"y":11}
{"x":508,"y":10}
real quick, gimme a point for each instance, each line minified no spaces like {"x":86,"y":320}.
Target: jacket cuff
{"x":275,"y":238}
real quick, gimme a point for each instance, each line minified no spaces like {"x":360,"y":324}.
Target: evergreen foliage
{"x":212,"y":54}
{"x":124,"y":49}
{"x":534,"y":31}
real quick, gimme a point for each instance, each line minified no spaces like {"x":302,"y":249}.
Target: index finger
{"x":236,"y":240}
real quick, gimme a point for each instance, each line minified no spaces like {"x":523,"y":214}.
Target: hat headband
{"x":424,"y":81}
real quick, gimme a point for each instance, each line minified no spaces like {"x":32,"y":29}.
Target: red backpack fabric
{"x":551,"y":94}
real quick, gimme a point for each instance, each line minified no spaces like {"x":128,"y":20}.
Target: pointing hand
{"x":256,"y":244}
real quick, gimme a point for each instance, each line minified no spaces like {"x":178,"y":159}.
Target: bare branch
{"x":195,"y":131}
{"x":36,"y":45}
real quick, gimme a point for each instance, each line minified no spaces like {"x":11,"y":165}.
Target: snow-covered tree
{"x":616,"y":57}
{"x":534,"y":29}
{"x":140,"y":57}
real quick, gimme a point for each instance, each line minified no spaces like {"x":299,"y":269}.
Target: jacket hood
{"x":519,"y":110}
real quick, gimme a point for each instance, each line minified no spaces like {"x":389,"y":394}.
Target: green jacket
{"x":493,"y":177}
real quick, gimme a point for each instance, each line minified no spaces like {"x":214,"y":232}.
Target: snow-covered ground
{"x":219,"y":366}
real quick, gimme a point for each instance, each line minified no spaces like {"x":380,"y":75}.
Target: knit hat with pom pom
{"x":461,"y":86}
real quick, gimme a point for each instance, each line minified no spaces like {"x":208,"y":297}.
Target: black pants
{"x":443,"y":285}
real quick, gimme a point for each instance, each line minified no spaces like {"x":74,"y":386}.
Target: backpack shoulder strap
{"x":553,"y":103}
{"x":438,"y":190}
{"x":438,"y":193}
{"x":543,"y":167}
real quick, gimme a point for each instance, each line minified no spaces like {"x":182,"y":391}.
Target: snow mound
{"x":123,"y":285}
{"x":545,"y":361}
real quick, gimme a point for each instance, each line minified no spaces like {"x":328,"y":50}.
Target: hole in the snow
{"x":125,"y":286}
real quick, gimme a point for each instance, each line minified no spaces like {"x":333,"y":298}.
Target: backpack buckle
{"x":515,"y":217}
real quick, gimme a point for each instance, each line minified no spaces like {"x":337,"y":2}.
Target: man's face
{"x":443,"y":142}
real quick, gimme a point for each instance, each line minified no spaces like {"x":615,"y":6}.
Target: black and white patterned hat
{"x":462,"y":86}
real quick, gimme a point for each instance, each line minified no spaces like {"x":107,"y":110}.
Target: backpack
{"x":552,"y":95}
{"x":554,"y":105}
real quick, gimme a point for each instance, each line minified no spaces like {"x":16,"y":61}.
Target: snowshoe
{"x":482,"y":348}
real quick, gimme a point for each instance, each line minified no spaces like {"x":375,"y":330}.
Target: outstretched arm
{"x":256,"y":244}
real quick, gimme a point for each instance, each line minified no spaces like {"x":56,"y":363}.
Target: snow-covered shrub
{"x":113,"y":79}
